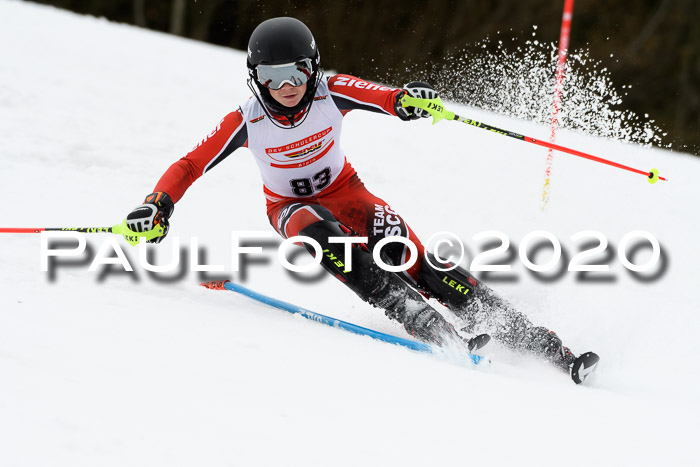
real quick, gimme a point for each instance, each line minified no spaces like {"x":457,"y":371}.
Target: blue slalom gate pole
{"x":319,"y":318}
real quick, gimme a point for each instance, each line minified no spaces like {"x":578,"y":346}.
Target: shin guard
{"x":380,"y":288}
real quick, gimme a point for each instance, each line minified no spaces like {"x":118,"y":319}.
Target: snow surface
{"x":121,"y":369}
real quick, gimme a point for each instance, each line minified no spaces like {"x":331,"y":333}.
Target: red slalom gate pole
{"x":558,"y":85}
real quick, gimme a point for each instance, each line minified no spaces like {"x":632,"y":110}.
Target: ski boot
{"x":541,"y":341}
{"x":545,"y":343}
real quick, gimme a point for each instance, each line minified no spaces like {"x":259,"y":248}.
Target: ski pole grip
{"x":434,"y":107}
{"x":132,"y":237}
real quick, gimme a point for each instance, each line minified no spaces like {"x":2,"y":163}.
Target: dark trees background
{"x":655,"y":44}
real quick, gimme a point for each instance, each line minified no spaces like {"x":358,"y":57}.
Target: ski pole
{"x":436,"y":108}
{"x":120,"y":229}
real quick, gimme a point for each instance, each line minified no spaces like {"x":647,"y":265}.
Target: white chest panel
{"x":300,"y":161}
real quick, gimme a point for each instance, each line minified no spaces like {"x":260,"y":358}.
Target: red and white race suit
{"x":302,"y":166}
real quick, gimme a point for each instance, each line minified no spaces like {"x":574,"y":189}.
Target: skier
{"x":292,"y":125}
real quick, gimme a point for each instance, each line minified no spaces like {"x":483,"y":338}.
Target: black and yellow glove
{"x":419,"y":90}
{"x":155,"y":210}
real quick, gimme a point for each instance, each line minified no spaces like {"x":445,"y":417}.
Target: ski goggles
{"x":275,"y":76}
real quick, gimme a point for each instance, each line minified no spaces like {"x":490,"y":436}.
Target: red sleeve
{"x":351,"y":93}
{"x":230,"y":134}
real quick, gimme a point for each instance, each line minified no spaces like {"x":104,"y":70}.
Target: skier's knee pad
{"x":291,"y":219}
{"x":453,"y":288}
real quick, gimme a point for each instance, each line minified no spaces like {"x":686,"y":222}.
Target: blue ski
{"x":336,"y":323}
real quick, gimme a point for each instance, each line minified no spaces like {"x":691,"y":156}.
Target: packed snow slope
{"x":118,"y":369}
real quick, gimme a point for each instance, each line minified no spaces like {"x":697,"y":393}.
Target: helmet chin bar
{"x":269,"y":104}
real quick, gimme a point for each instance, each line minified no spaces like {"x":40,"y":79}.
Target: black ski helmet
{"x":278,"y":41}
